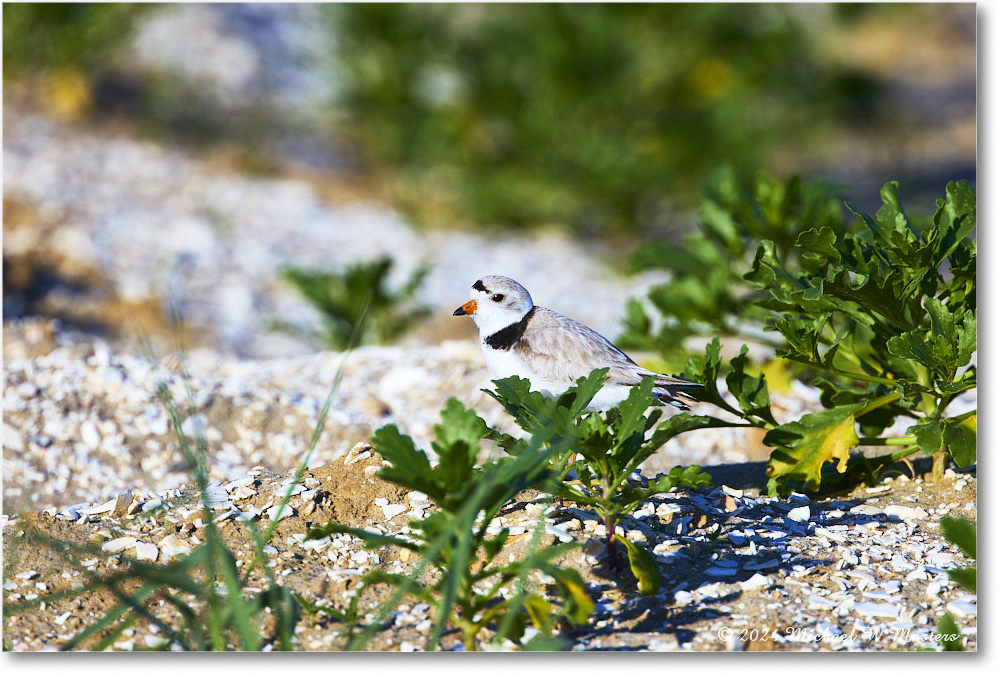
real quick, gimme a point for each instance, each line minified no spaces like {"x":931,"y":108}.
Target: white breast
{"x":505,"y":363}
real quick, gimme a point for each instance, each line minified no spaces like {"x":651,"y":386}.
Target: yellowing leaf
{"x":539,"y":610}
{"x":577,"y":605}
{"x":643,"y":565}
{"x":970,"y":422}
{"x":803,"y":447}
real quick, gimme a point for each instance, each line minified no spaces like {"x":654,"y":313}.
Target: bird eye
{"x":498,"y":297}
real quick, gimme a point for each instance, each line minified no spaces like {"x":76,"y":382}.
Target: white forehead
{"x":497,"y":284}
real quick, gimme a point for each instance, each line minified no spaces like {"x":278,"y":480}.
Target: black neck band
{"x":506,"y":338}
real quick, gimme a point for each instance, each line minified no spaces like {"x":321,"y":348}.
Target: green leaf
{"x":966,"y":339}
{"x":534,"y":412}
{"x":751,"y":392}
{"x":371,"y":539}
{"x":960,"y":438}
{"x":766,"y":272}
{"x":460,"y":426}
{"x":594,"y":439}
{"x":804,"y":446}
{"x":957,"y":434}
{"x":961,"y":532}
{"x":955,"y":218}
{"x":539,"y":611}
{"x":643,"y":566}
{"x":946,"y":345}
{"x":629,"y":423}
{"x":819,"y":247}
{"x":586,"y":389}
{"x":409,"y":466}
{"x":689,"y":476}
{"x":929,"y":434}
{"x":964,"y":577}
{"x":515,"y":395}
{"x":344,"y":297}
{"x":705,"y":371}
{"x":913,"y":345}
{"x":630,"y":418}
{"x":457,"y":446}
{"x":577,"y":606}
{"x":951,"y":635}
{"x":667,"y":256}
{"x":636,"y":318}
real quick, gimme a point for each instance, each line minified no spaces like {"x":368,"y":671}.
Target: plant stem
{"x":864,"y":377}
{"x":469,"y":637}
{"x":904,"y":453}
{"x":937,"y":468}
{"x":609,"y":521}
{"x":891,"y":440}
{"x":609,"y":527}
{"x":927,"y":400}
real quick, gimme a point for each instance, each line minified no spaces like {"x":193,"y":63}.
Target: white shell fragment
{"x":170,"y":546}
{"x":392,"y":510}
{"x":799,"y":514}
{"x":146,"y":551}
{"x":119,"y":544}
{"x":277,"y":512}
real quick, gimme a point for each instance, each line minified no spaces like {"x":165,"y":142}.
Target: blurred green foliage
{"x":594,"y":115}
{"x":706,"y":294}
{"x":359,"y":290}
{"x":39,"y":36}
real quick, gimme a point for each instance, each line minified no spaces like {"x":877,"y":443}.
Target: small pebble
{"x":119,"y":544}
{"x":799,"y":514}
{"x":755,"y":582}
{"x":961,"y":608}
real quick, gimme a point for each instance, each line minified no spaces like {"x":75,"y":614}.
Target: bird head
{"x":496,"y":302}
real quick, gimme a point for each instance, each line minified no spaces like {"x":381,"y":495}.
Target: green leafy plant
{"x":342,"y":297}
{"x":706,"y":295}
{"x":888,"y":315}
{"x":885,"y":316}
{"x":962,"y":533}
{"x":455,"y":542}
{"x":611,"y":446}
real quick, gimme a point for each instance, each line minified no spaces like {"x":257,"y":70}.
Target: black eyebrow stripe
{"x":479,"y":286}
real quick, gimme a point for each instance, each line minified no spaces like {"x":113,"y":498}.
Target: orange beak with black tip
{"x":467,"y":308}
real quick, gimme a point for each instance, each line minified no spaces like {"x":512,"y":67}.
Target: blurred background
{"x":252,"y":163}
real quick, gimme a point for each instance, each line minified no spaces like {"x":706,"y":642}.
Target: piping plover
{"x":552,"y":351}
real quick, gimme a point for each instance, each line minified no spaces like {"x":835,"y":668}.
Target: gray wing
{"x":565,"y":350}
